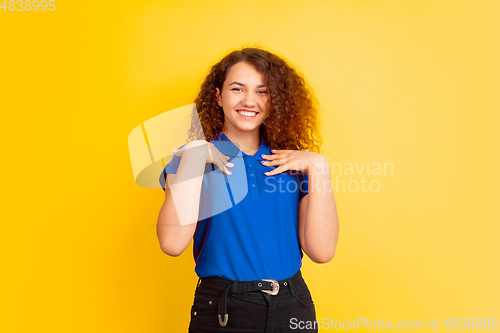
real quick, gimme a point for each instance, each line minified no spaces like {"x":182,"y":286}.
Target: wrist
{"x":198,"y":149}
{"x":318,"y":166}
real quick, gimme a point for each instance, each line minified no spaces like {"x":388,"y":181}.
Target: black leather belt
{"x":268,"y":286}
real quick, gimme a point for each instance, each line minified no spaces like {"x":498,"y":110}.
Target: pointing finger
{"x":279,"y":169}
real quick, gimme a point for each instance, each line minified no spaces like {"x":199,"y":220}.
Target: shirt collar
{"x":227,"y":147}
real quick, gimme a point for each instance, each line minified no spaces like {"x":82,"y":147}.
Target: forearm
{"x":179,"y":213}
{"x":321,"y":224}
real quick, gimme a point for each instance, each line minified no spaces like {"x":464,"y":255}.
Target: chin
{"x":247,"y":128}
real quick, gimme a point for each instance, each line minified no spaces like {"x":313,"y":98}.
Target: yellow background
{"x":412,"y":83}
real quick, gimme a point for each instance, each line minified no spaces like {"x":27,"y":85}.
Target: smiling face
{"x":244,"y":99}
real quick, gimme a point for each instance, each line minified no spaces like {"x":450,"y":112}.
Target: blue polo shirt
{"x":248,"y":221}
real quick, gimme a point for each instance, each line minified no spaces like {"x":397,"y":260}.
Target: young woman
{"x":259,"y":122}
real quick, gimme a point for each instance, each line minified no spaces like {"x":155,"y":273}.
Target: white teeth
{"x":247,"y":114}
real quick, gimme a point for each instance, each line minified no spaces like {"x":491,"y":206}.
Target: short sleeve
{"x":303,"y":186}
{"x":171,"y":167}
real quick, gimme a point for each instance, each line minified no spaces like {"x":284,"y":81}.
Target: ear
{"x":218,"y":97}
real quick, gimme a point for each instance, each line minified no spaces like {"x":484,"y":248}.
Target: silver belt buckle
{"x":274,"y":284}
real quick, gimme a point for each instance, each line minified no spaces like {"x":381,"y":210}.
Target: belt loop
{"x":291,"y":286}
{"x":235,"y":287}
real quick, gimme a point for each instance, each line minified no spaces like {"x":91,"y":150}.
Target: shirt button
{"x":252,"y":175}
{"x":250,"y":165}
{"x":194,"y":313}
{"x":209,"y":302}
{"x":253,"y":185}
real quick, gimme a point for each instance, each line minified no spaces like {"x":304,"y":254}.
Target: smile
{"x":247,"y":114}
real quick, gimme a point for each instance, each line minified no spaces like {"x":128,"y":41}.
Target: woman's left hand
{"x":297,"y":160}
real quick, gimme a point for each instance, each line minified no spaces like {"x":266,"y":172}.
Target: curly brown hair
{"x":293,"y":122}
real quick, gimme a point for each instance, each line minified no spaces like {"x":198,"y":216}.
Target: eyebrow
{"x":241,"y":84}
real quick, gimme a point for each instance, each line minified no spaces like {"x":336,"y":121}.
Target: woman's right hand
{"x":203,"y":148}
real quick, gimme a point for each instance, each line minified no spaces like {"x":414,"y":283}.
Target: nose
{"x":249,"y":100}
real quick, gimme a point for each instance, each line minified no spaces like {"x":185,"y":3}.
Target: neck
{"x":248,"y":141}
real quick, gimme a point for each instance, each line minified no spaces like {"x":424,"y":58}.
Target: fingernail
{"x":273,"y":150}
{"x":174,"y":150}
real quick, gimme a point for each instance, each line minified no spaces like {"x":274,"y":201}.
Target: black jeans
{"x":252,"y":311}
